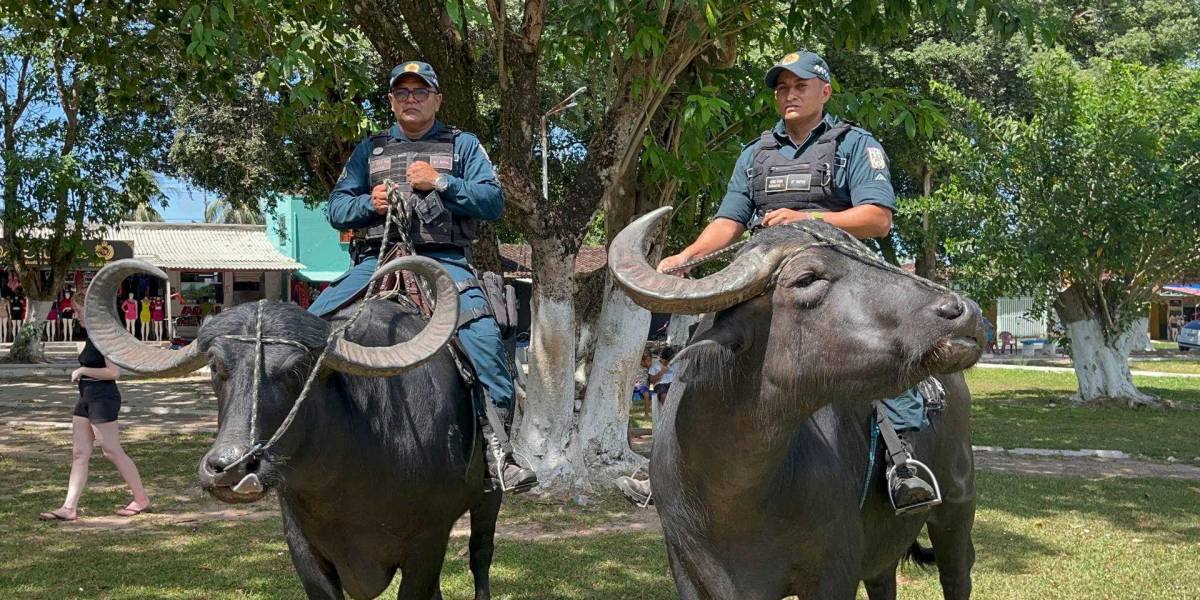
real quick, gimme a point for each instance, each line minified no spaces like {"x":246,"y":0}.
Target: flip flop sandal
{"x":53,"y":516}
{"x":130,"y":512}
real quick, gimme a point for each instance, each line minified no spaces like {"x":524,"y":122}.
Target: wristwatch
{"x":441,"y":182}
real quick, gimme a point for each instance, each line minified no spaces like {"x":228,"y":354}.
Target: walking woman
{"x":96,"y":419}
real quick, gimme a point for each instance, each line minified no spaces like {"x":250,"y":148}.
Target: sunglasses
{"x":421,"y":94}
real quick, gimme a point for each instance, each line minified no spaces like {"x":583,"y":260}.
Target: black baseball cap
{"x":801,"y":63}
{"x":414,"y":67}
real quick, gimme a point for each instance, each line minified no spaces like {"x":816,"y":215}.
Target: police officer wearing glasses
{"x":812,"y":165}
{"x":453,"y":184}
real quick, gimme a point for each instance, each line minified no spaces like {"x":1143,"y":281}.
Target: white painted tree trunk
{"x":678,"y":331}
{"x":603,"y":432}
{"x":548,"y":415}
{"x":1103,"y":369}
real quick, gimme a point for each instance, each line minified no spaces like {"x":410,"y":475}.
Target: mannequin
{"x":5,"y":309}
{"x":157,"y":315}
{"x":66,"y":312}
{"x":145,"y":318}
{"x":130,"y":308}
{"x":52,"y":322}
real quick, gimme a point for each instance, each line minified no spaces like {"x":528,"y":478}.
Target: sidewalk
{"x":62,"y":358}
{"x":175,"y":405}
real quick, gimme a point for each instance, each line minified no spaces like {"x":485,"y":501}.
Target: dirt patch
{"x":1090,"y":468}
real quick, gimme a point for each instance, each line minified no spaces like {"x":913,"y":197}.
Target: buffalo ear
{"x":711,"y":357}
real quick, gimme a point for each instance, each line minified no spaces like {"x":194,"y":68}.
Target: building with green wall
{"x":304,"y":234}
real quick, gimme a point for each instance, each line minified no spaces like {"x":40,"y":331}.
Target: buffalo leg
{"x":421,"y":572}
{"x":483,"y":542}
{"x":683,"y":584}
{"x":950,"y":531}
{"x":317,"y":575}
{"x":883,"y":585}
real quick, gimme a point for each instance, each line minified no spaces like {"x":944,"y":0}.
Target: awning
{"x":1187,"y":289}
{"x":318,"y":276}
{"x":204,"y":246}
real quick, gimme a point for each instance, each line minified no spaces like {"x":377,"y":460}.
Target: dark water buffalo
{"x":761,"y":453}
{"x":379,"y":462}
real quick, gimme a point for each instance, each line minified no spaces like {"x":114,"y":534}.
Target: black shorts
{"x":99,"y":401}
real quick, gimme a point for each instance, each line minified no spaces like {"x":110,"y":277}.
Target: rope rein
{"x":259,"y":448}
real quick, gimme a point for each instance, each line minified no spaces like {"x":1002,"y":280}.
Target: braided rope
{"x":257,"y":449}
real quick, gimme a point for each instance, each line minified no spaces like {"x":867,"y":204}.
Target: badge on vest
{"x":441,"y":161}
{"x":381,"y":164}
{"x":796,"y":182}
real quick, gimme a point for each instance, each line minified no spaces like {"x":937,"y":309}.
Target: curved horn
{"x":385,"y":361}
{"x":105,"y":329}
{"x":744,"y":278}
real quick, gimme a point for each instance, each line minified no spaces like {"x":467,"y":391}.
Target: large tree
{"x":1088,"y":205}
{"x":494,"y":59}
{"x":73,"y":158}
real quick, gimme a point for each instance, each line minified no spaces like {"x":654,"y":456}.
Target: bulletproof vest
{"x":432,"y":226}
{"x":802,"y":183}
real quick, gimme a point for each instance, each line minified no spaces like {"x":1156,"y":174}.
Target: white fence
{"x":1014,"y":315}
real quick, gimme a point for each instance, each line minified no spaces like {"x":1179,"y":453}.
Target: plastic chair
{"x":1007,"y":341}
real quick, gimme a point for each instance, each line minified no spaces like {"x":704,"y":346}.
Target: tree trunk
{"x":603,"y":433}
{"x":27,"y":347}
{"x":1101,"y":357}
{"x":679,"y":330}
{"x":547,"y":419}
{"x":1103,"y":367}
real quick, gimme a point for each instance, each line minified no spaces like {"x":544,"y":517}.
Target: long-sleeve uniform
{"x":472,"y":192}
{"x":837,"y":167}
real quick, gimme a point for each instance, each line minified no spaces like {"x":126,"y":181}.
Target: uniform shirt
{"x":864,"y":180}
{"x":471,"y":188}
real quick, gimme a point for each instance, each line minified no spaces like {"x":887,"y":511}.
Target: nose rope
{"x":396,"y":200}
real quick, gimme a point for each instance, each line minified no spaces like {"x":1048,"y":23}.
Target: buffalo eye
{"x":805,"y":280}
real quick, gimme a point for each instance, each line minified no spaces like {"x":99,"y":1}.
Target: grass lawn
{"x":1031,"y":409}
{"x":1036,"y":538}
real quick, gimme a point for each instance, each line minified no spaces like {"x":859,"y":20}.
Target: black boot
{"x":503,"y":468}
{"x":908,"y":490}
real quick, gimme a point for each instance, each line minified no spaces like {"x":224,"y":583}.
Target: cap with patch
{"x":802,"y":64}
{"x":417,"y":68}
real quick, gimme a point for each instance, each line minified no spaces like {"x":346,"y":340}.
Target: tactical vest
{"x":802,"y":183}
{"x":432,"y":225}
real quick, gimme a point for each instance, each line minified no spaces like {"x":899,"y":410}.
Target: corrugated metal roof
{"x":204,"y":246}
{"x":517,"y":259}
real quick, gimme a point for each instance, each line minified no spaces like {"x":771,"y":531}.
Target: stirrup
{"x":919,"y":469}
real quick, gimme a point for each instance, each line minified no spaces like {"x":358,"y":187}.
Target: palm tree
{"x":143,"y":188}
{"x":221,"y":211}
{"x":144,"y":213}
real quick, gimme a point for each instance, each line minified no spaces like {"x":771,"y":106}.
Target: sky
{"x":184,"y":202}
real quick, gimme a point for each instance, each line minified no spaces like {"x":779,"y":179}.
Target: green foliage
{"x":1098,"y":190}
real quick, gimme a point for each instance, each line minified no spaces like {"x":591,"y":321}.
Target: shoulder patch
{"x":875,"y":158}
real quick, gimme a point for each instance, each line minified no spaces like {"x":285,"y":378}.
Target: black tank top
{"x":92,"y":358}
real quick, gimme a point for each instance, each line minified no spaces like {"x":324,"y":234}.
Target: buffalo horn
{"x":109,"y":335}
{"x":744,"y":278}
{"x":385,"y":361}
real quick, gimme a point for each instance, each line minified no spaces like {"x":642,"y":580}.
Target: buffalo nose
{"x":219,"y":460}
{"x":951,"y":309}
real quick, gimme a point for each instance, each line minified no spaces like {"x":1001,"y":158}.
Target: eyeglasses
{"x":421,"y":94}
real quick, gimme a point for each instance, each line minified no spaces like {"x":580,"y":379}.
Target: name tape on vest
{"x":796,"y":182}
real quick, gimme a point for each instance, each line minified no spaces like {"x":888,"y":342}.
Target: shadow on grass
{"x":1150,"y":508}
